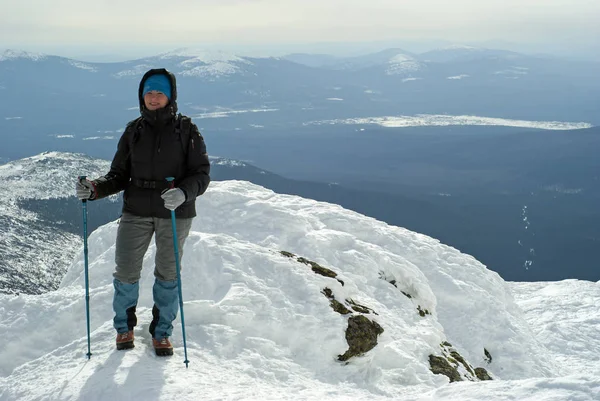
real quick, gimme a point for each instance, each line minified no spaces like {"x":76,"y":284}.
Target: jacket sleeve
{"x":120,"y":171}
{"x":197,"y":175}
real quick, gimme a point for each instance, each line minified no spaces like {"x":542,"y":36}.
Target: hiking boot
{"x":162,"y":347}
{"x":125,"y":340}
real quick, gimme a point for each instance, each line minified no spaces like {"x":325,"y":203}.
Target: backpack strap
{"x":136,"y":126}
{"x":183,"y":129}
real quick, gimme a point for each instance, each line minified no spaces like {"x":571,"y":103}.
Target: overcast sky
{"x":102,"y":24}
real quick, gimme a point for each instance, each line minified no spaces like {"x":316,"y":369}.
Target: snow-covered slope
{"x":565,"y":317}
{"x":261,"y":272}
{"x":35,"y":249}
{"x":10,"y":54}
{"x":190,"y":62}
{"x":391,"y":61}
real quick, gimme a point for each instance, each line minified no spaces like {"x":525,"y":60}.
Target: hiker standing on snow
{"x":157,"y":145}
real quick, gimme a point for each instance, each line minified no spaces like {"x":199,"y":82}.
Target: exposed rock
{"x":482,"y":374}
{"x":361,"y":336}
{"x":359,"y":308}
{"x":334,"y":303}
{"x":440,"y":366}
{"x":317,"y":268}
{"x":460,"y":359}
{"x":422,"y":312}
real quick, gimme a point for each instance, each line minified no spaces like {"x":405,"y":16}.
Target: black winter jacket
{"x":144,"y":159}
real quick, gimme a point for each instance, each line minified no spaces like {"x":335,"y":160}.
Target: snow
{"x":201,"y":55}
{"x":137,"y":70}
{"x":206,"y":64}
{"x":258,"y":326}
{"x":96,"y":138}
{"x":38,"y":253}
{"x":32,"y":175}
{"x":461,"y":76}
{"x":222,"y":113}
{"x":426,"y":120}
{"x":226,"y":162}
{"x":83,"y":66}
{"x":410,"y":79}
{"x":13,"y":118}
{"x":335,"y":99}
{"x":564,"y":318}
{"x":19,"y":54}
{"x":513,"y":71}
{"x":402,"y":64}
{"x":217,"y":70}
{"x":561,"y":189}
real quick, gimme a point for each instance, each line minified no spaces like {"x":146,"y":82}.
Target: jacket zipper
{"x":155,"y":145}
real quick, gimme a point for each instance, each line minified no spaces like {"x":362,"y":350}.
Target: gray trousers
{"x":133,"y":238}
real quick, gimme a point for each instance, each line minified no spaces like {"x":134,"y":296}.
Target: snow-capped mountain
{"x":185,"y":62}
{"x":393,"y":61}
{"x":10,"y":54}
{"x":38,"y":241}
{"x":289,"y":298}
{"x":189,"y":62}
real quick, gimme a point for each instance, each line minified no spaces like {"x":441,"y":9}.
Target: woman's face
{"x":155,"y":100}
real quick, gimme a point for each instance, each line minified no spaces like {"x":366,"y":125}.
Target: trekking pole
{"x":87,"y":283}
{"x":171,"y":182}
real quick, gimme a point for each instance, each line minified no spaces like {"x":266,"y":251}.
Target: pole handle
{"x":171,"y":181}
{"x":82,"y":177}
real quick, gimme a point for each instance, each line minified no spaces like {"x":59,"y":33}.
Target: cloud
{"x":154,"y":22}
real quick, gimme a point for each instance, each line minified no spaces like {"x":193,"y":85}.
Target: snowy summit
{"x":290,"y":298}
{"x":200,"y":55}
{"x":203,"y":63}
{"x":10,"y":54}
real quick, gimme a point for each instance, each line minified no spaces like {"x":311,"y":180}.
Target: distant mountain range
{"x":58,"y":101}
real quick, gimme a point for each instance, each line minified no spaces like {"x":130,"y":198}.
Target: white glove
{"x":84,"y":189}
{"x":173,"y":198}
